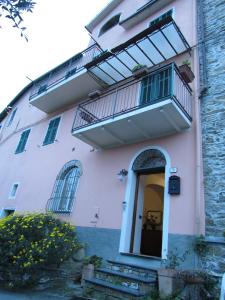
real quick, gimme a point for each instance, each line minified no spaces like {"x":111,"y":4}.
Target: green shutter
{"x":160,"y":18}
{"x":23,"y":140}
{"x":12,"y":115}
{"x":52,"y":130}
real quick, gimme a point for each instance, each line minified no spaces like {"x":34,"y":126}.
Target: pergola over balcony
{"x":151,"y":47}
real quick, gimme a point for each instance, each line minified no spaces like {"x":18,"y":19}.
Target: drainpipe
{"x":201,"y":44}
{"x":199,"y":195}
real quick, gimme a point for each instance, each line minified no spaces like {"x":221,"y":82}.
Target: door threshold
{"x":141,"y":256}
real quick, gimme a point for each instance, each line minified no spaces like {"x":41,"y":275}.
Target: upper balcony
{"x":97,"y":69}
{"x":157,"y":105}
{"x":65,"y":84}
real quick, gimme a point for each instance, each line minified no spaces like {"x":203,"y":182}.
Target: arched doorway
{"x":145,"y":220}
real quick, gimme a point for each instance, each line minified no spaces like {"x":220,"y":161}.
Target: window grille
{"x":65,"y":188}
{"x":156,"y":87}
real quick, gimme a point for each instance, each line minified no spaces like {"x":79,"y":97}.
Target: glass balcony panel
{"x":139,"y":56}
{"x":111,"y":71}
{"x":103,"y":76}
{"x":127,"y":59}
{"x":162,"y":44}
{"x":120,"y":66}
{"x":151,"y":51}
{"x":174,"y":38}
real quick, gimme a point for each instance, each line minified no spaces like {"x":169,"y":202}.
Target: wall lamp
{"x":122,"y":174}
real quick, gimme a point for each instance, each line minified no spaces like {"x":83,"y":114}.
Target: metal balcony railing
{"x":164,"y":83}
{"x":69,"y":68}
{"x":60,"y":205}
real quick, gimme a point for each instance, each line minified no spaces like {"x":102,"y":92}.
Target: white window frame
{"x":11,"y":190}
{"x":2,"y":211}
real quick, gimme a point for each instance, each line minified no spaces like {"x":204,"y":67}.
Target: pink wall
{"x":118,"y":34}
{"x":99,"y":189}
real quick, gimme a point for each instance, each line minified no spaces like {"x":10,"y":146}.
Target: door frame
{"x":127,"y":218}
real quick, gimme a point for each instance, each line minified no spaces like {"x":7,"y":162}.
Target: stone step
{"x":149,"y":279}
{"x":100,"y":289}
{"x":136,"y":270}
{"x":140,"y":283}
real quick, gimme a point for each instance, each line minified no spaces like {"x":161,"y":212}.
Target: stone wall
{"x":211,"y":32}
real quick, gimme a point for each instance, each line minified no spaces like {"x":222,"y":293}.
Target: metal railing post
{"x":172,"y":81}
{"x":114,"y":103}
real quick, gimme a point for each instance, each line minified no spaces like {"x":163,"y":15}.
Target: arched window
{"x":65,"y":187}
{"x":110,"y":24}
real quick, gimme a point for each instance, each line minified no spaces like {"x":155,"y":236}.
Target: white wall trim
{"x":129,"y":204}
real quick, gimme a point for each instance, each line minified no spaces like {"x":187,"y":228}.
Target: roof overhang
{"x":150,"y":47}
{"x":103,"y":13}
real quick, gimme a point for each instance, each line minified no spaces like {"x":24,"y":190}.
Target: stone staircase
{"x":121,"y":281}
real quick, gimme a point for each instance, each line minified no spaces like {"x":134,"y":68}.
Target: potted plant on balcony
{"x":139,"y":71}
{"x":186,"y":72}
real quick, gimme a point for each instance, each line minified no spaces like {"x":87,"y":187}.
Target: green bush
{"x":33,"y":242}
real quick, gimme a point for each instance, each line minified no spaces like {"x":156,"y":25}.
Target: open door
{"x":148,"y":210}
{"x":148,"y":218}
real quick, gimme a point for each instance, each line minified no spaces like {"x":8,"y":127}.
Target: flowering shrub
{"x":33,"y":242}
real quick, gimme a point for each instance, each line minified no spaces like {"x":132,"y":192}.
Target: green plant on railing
{"x":186,"y":62}
{"x":138,"y":67}
{"x":200,"y":246}
{"x":93,"y":260}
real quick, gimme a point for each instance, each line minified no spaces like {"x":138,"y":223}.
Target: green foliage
{"x":32,"y":242}
{"x":13,"y":9}
{"x":138,"y":67}
{"x":94,"y":260}
{"x":186,"y":62}
{"x":174,"y":259}
{"x":200,"y":246}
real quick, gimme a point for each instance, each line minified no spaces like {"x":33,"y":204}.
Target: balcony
{"x":95,"y":69}
{"x":65,"y":84}
{"x":157,"y":105}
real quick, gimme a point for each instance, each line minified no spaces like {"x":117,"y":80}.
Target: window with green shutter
{"x":11,"y":117}
{"x":23,"y":140}
{"x":52,"y":130}
{"x":160,"y":18}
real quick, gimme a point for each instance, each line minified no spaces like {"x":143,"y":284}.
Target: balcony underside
{"x":67,"y":92}
{"x":153,"y":121}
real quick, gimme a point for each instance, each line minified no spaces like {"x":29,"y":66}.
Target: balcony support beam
{"x":113,"y":135}
{"x":170,"y":120}
{"x":139,"y":129}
